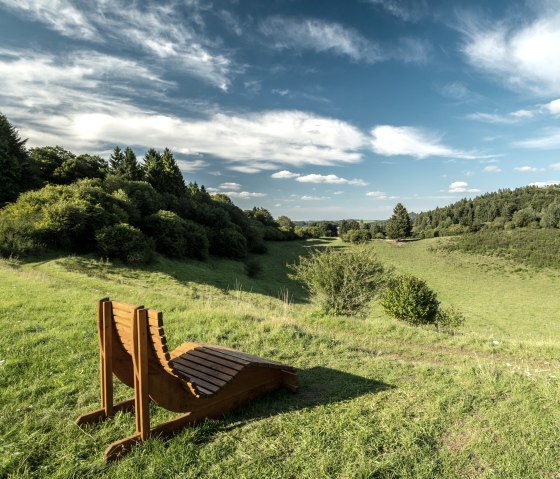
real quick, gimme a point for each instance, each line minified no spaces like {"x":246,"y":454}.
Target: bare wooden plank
{"x":238,"y":355}
{"x":127,"y":308}
{"x":215,"y":359}
{"x":203,"y":369}
{"x":198,"y":381}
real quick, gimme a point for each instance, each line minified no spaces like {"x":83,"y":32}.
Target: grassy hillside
{"x":377,"y":398}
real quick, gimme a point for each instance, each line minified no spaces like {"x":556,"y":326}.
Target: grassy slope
{"x":377,"y":398}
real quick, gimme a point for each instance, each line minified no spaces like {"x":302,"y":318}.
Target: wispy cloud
{"x":461,"y":187}
{"x":314,"y":198}
{"x":521,"y":55}
{"x":549,"y":140}
{"x":243,"y":195}
{"x":390,"y":140}
{"x":555,"y":166}
{"x":154,"y":29}
{"x":492,"y":169}
{"x":405,"y":10}
{"x":494,"y":118}
{"x":329,"y":179}
{"x":230,"y":186}
{"x":330,"y":37}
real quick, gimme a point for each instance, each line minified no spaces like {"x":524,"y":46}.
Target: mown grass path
{"x":377,"y":398}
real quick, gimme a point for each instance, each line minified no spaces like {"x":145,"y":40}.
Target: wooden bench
{"x":199,"y":380}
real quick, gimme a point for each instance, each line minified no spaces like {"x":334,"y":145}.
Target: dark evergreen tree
{"x":399,"y":225}
{"x":116,"y":160}
{"x":162,"y":172}
{"x":130,"y":169}
{"x":48,"y":159}
{"x":16,"y":169}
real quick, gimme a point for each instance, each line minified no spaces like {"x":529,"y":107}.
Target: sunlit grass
{"x":378,"y":398}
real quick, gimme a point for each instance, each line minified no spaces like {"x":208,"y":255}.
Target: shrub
{"x":356,"y":236}
{"x":410,"y":299}
{"x":125,"y":242}
{"x":252,"y":268}
{"x":175,"y":236}
{"x":341,"y":282}
{"x":18,"y":237}
{"x":449,"y":318}
{"x":228,"y":242}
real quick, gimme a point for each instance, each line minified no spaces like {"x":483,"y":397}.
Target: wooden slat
{"x":198,"y":381}
{"x":215,"y":359}
{"x":211,"y":364}
{"x":220,"y":354}
{"x":249,"y":357}
{"x":127,"y":308}
{"x":195,"y":375}
{"x":211,"y":372}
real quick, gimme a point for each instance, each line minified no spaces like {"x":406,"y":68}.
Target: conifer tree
{"x":116,"y":160}
{"x":163,"y":173}
{"x":130,"y":169}
{"x":399,"y":225}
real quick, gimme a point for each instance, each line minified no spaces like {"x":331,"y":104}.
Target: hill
{"x":505,"y":209}
{"x":378,"y":398}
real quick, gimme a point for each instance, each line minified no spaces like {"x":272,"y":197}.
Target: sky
{"x":314,"y":109}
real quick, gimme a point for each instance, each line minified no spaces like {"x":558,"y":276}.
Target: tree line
{"x":122,"y":208}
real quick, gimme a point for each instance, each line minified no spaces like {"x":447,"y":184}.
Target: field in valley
{"x":377,"y":397}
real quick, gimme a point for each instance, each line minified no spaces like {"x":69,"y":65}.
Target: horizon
{"x":306,"y":109}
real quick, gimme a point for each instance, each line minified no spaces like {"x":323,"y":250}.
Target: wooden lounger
{"x":199,"y":380}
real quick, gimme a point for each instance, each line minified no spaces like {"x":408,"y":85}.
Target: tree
{"x":347,"y":225}
{"x":262,"y":215}
{"x":399,"y":225}
{"x":130,"y":169}
{"x":163,"y":173}
{"x":16,"y":169}
{"x":285,"y":223}
{"x":80,"y":167}
{"x":116,"y":160}
{"x":48,"y":159}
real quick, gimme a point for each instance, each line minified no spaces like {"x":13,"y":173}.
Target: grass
{"x":377,"y":398}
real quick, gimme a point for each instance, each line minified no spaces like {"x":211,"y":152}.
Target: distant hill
{"x":529,"y":206}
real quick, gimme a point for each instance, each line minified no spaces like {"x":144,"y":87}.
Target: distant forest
{"x":124,"y":209}
{"x":529,"y":206}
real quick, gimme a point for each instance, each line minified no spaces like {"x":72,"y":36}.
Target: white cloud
{"x":542,"y":184}
{"x":523,"y":114}
{"x":243,"y":195}
{"x":330,"y":179}
{"x":492,"y":169}
{"x":405,"y":10}
{"x":156,"y":29}
{"x":555,"y":166}
{"x":284,"y":174}
{"x":493,"y":118}
{"x":522,"y":55}
{"x":338,"y":193}
{"x":190,"y":166}
{"x":322,"y":36}
{"x":461,"y":187}
{"x":456,"y":91}
{"x":405,"y":140}
{"x":550,"y":140}
{"x":230,"y":186}
{"x":380,"y":195}
{"x":60,"y":15}
{"x":314,"y":198}
{"x":553,"y":107}
{"x":528,"y":169}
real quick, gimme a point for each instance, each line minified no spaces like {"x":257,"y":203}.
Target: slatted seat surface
{"x":211,"y":368}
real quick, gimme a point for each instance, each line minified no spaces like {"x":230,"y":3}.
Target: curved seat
{"x":199,"y":380}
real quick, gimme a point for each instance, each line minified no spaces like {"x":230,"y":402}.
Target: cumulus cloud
{"x":284,"y":174}
{"x":390,"y":140}
{"x":553,"y":107}
{"x":521,"y":55}
{"x":528,"y":169}
{"x":380,"y":195}
{"x":461,"y":187}
{"x":492,"y":169}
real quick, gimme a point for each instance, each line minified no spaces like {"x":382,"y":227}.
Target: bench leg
{"x":100,"y":414}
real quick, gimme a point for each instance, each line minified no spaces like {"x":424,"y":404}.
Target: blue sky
{"x":314,"y":109}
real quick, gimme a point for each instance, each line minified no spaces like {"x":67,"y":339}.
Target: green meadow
{"x":377,"y":398}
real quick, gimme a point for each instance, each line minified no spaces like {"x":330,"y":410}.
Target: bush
{"x":125,"y":242}
{"x":175,"y":236}
{"x":449,"y":318}
{"x":410,"y":299}
{"x":252,"y":268}
{"x":228,"y":242}
{"x":18,"y":237}
{"x":341,"y":282}
{"x":356,"y":236}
